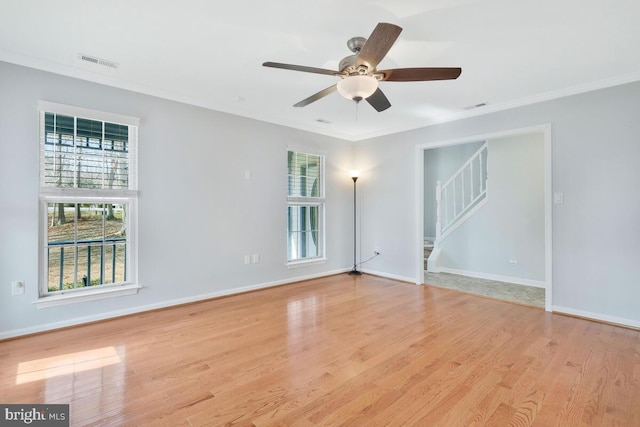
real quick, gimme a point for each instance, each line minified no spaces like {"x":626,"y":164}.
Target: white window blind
{"x":85,"y":153}
{"x":305,"y":175}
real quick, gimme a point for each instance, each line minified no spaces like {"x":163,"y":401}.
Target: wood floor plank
{"x":340,"y":350}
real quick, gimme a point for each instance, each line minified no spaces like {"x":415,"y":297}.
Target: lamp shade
{"x":357,"y":88}
{"x":354,"y":173}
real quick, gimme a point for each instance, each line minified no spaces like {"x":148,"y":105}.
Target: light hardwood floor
{"x":342,"y":350}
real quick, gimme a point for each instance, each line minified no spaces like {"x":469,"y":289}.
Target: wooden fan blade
{"x":316,"y":96}
{"x":378,"y":44}
{"x":300,"y":68}
{"x":379,"y":101}
{"x":419,"y":74}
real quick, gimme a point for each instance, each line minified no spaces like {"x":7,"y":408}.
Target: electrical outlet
{"x":255,"y":258}
{"x":247,"y":259}
{"x":17,"y":288}
{"x":376,"y":250}
{"x":513,"y":261}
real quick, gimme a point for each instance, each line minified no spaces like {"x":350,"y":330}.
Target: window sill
{"x":93,"y":295}
{"x":307,"y":262}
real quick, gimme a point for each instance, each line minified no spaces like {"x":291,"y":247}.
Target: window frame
{"x":52,"y":194}
{"x":311,"y":201}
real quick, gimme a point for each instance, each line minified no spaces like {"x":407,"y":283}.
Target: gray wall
{"x":595,"y":236}
{"x":595,"y":149}
{"x":510,"y":225}
{"x":198,"y":216}
{"x":439,"y":165}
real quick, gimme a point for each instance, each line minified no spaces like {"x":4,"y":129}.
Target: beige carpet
{"x":527,"y":295}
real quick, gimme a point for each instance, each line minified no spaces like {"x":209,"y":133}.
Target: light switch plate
{"x":558,"y":198}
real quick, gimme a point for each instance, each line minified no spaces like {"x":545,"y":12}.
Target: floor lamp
{"x":354,"y":271}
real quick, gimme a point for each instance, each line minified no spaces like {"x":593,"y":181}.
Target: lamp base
{"x":355,"y":273}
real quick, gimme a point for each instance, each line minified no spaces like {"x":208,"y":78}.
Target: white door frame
{"x":548,"y":198}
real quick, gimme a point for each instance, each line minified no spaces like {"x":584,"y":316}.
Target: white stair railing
{"x":461,"y":193}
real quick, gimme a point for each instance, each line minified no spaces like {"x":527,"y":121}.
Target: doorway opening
{"x":507,"y":239}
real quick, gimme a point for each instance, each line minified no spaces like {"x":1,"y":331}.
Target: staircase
{"x":459,"y":198}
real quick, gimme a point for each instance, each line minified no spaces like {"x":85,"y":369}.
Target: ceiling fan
{"x":358,"y":74}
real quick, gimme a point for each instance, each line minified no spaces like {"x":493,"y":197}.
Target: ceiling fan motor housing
{"x":349,"y":66}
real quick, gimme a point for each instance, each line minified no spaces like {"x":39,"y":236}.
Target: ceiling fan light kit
{"x":358,"y":75}
{"x":357,"y":87}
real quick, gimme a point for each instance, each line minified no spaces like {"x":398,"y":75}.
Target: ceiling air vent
{"x":98,"y":61}
{"x":471,"y":107}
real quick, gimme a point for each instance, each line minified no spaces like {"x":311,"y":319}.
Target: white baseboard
{"x":164,"y":304}
{"x":389,"y":276}
{"x":496,"y":277}
{"x":597,"y":316}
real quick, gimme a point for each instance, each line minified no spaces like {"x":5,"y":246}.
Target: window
{"x":305,"y":208}
{"x":88,"y":203}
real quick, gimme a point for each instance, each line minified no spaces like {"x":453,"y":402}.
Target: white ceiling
{"x":209,"y":53}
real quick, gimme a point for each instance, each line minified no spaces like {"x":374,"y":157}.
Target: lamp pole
{"x":354,"y":271}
